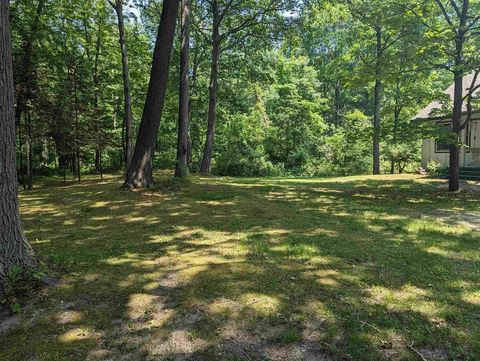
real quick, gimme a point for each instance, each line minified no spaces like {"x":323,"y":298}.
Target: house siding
{"x":466,"y":159}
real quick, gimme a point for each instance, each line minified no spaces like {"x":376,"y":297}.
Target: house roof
{"x":434,"y":109}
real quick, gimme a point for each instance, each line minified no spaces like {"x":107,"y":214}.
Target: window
{"x":440,"y":145}
{"x":468,"y":138}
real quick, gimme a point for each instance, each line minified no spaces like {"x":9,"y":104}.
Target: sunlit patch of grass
{"x":472,"y":297}
{"x":77,"y":334}
{"x":261,"y":304}
{"x":233,"y":268}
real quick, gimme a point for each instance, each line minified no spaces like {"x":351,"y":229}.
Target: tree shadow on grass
{"x":251,"y":270}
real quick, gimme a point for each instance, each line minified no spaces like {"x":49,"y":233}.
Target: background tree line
{"x":274,"y":87}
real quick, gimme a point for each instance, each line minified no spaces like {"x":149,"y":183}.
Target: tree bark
{"x":98,"y":151}
{"x":127,"y":116}
{"x":140,"y":171}
{"x":454,"y":170}
{"x":20,"y":153}
{"x":28,"y":131}
{"x":15,"y":250}
{"x":458,"y":73}
{"x":377,"y":105}
{"x":337,"y":104}
{"x":77,"y":127}
{"x":197,"y":59}
{"x":24,"y":93}
{"x":396,"y":119}
{"x":206,"y":165}
{"x":181,"y":170}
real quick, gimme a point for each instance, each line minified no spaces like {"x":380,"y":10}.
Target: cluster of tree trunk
{"x":15,"y":250}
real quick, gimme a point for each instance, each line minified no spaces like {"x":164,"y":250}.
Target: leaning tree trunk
{"x":206,"y":166}
{"x":14,"y":248}
{"x":378,"y":105}
{"x":127,"y":116}
{"x":140,"y":172}
{"x":181,"y":169}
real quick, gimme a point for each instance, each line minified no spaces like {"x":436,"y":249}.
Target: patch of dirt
{"x":242,"y":344}
{"x":312,"y":334}
{"x":237,"y":341}
{"x":168,"y":282}
{"x":433,"y":354}
{"x":179,"y":342}
{"x":189,"y":319}
{"x":393,"y":348}
{"x":73,"y":306}
{"x":469,"y":220}
{"x":8,"y":322}
{"x":67,"y":317}
{"x":467,"y":186}
{"x":100,"y":354}
{"x":282,"y":352}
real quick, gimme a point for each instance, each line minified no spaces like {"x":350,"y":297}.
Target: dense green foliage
{"x":296,"y":88}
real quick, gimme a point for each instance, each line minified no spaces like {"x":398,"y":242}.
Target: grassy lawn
{"x":351,"y":268}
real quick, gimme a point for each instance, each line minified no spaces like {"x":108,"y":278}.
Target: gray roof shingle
{"x":435,"y":108}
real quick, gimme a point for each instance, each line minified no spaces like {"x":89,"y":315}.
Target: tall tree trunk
{"x":77,"y":165}
{"x":395,"y":130}
{"x":127,"y":116}
{"x":98,"y":151}
{"x":140,"y":171}
{"x":454,"y":170}
{"x":100,"y":164}
{"x":97,"y":159}
{"x":25,"y":78}
{"x":28,"y":131}
{"x":337,"y":104}
{"x":181,"y":169}
{"x":20,"y":152}
{"x":458,"y":73}
{"x":197,"y":59}
{"x":378,"y":104}
{"x":206,"y":166}
{"x":14,"y":248}
{"x":396,"y":119}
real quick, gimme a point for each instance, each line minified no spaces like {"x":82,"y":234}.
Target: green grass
{"x":252,"y":269}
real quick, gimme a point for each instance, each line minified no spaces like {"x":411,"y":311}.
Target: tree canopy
{"x":274,"y":87}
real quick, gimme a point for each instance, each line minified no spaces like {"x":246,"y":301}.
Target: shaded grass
{"x":251,"y":269}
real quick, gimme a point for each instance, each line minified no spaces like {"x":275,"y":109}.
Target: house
{"x":435,"y":150}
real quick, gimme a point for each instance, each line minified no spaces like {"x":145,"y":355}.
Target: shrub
{"x":297,"y":160}
{"x":402,"y":155}
{"x":18,"y":284}
{"x":436,"y":169}
{"x":247,"y":163}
